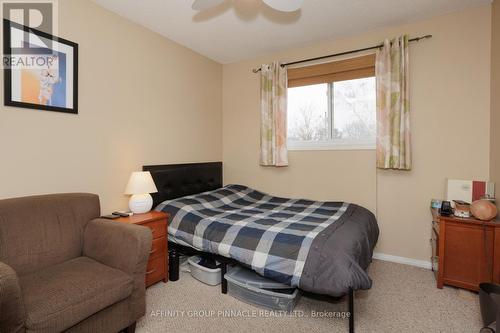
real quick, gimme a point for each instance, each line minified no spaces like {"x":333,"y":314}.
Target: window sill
{"x":296,"y":146}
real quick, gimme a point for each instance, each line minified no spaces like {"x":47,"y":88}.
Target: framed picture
{"x":40,"y":70}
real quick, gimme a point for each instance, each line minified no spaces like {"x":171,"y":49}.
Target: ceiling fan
{"x":280,"y":5}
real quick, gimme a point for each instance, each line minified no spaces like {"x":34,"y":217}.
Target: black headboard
{"x":178,"y":180}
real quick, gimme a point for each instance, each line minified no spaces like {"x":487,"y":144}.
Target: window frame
{"x":329,"y":73}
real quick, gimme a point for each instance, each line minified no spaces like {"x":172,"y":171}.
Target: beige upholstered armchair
{"x":64,"y":269}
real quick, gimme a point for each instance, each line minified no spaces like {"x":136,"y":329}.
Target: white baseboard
{"x":403,"y":260}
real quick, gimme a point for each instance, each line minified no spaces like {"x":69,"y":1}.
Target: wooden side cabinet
{"x":466,"y":251}
{"x":157,"y":269}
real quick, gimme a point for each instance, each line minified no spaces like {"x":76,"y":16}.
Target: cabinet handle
{"x":151,"y":271}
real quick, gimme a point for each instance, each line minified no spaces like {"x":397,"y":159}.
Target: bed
{"x":323,"y":248}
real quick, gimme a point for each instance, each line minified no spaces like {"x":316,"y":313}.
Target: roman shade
{"x":348,"y":69}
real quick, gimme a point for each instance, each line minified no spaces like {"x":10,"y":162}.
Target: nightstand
{"x":158,"y":259}
{"x":465,"y":251}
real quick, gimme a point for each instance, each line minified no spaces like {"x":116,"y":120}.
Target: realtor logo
{"x":33,"y":16}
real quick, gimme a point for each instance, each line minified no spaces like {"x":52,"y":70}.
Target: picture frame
{"x":40,"y":70}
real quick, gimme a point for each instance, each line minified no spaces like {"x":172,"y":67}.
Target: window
{"x":332,"y":107}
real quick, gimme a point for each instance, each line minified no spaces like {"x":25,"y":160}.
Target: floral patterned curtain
{"x":273,"y":129}
{"x":393,"y":105}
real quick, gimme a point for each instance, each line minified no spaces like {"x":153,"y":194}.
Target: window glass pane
{"x":354,"y":115}
{"x":308,"y":113}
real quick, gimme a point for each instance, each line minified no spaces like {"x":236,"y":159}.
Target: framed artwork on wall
{"x":40,"y":70}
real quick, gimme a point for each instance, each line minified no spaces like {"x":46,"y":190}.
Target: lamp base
{"x":140,"y":203}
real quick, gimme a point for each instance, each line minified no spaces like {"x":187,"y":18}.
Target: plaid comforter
{"x":271,"y":235}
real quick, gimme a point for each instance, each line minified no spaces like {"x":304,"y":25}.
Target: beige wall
{"x":450,"y":96}
{"x":495,"y":99}
{"x":146,"y":100}
{"x":143,"y":100}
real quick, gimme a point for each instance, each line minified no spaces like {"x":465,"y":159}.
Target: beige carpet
{"x":402,"y":299}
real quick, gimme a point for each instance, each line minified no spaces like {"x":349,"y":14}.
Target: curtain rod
{"x":417,"y":39}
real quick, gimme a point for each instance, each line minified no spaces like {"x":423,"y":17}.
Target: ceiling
{"x":243,"y":29}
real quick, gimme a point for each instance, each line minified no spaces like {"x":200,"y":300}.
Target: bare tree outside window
{"x":308,"y":126}
{"x":308,"y":113}
{"x":354,"y":109}
{"x":338,"y":113}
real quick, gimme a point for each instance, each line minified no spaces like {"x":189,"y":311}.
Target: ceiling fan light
{"x":284,"y":5}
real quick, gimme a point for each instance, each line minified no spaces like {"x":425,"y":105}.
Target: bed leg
{"x":351,"y":310}
{"x":173,"y":264}
{"x":223,"y":281}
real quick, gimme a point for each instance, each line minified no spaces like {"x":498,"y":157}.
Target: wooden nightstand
{"x":158,"y":259}
{"x":466,"y":251}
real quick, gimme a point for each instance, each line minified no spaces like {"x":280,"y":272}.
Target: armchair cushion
{"x":60,"y":296}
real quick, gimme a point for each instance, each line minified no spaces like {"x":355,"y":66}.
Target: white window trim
{"x":328,"y":145}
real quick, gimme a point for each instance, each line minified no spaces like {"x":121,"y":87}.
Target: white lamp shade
{"x":141,"y":183}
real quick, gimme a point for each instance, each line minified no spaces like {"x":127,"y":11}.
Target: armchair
{"x":62,"y":269}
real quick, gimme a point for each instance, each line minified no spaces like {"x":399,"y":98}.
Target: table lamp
{"x":140,"y":185}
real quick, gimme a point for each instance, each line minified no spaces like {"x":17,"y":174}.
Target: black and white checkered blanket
{"x":271,"y":235}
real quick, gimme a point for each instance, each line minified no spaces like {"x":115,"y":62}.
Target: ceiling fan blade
{"x":284,"y":5}
{"x":205,"y":4}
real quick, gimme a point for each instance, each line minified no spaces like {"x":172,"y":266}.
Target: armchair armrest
{"x":122,"y":246}
{"x":12,"y":311}
{"x":125,"y":247}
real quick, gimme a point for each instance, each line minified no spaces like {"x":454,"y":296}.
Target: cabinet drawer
{"x":158,"y":228}
{"x":158,"y":247}
{"x":466,"y":251}
{"x":156,"y":270}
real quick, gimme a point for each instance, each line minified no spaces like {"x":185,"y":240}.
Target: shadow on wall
{"x":248,"y":11}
